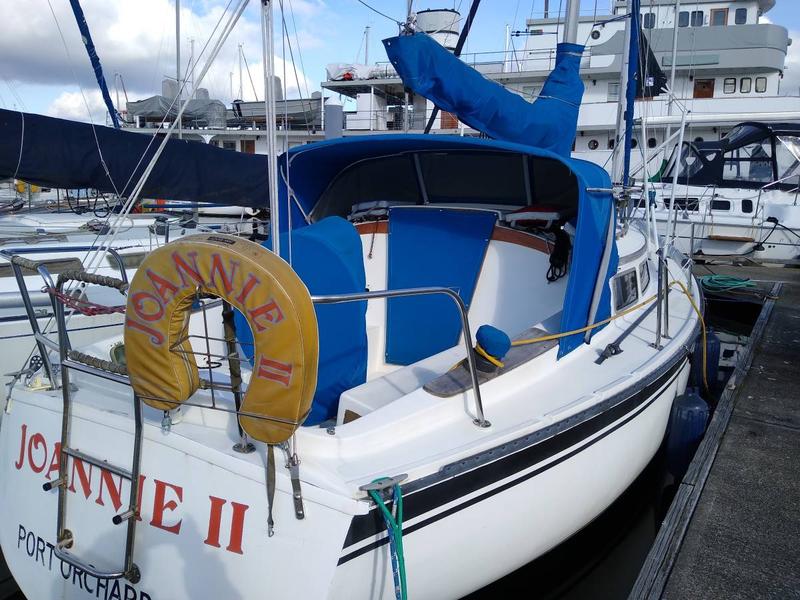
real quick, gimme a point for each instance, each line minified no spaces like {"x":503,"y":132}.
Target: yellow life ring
{"x":259,"y":284}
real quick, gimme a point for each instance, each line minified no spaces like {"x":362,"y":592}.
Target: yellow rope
{"x":556,"y":336}
{"x":702,"y":328}
{"x":488,"y":356}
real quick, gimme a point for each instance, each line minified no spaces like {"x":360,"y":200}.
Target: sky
{"x":44,"y":67}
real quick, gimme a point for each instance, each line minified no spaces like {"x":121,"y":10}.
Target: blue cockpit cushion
{"x":432,"y":247}
{"x":328,"y":258}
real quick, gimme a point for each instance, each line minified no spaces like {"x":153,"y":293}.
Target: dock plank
{"x":734,"y":528}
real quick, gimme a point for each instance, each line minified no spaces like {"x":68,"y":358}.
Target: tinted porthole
{"x":747,"y":206}
{"x":720,"y":205}
{"x":625,"y":291}
{"x":594,"y":144}
{"x":652,"y":142}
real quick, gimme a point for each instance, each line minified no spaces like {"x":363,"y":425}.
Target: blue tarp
{"x":422,"y":326}
{"x":64,"y":154}
{"x":549,"y":123}
{"x":314,"y":167}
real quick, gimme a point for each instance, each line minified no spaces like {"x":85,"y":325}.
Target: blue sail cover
{"x":549,"y":123}
{"x":86,"y":36}
{"x":315,"y":166}
{"x":64,"y":154}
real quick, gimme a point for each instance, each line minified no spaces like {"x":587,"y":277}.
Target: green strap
{"x":395,"y":525}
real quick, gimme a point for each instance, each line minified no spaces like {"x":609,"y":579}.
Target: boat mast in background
{"x":671,"y":97}
{"x":178,"y":61}
{"x":617,"y":161}
{"x":268,"y":54}
{"x":571,"y":21}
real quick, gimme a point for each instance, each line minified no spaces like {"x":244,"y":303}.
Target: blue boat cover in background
{"x":86,"y":36}
{"x":421,"y":326}
{"x":64,"y":154}
{"x":327,"y":256}
{"x":550,"y":122}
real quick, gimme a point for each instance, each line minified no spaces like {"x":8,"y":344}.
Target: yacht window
{"x":652,"y":142}
{"x":687,"y":204}
{"x":625,"y":292}
{"x":530,"y":92}
{"x":787,"y":155}
{"x":649,"y":20}
{"x":473,"y":178}
{"x":729,"y":86}
{"x":594,"y":144}
{"x":745,"y":85}
{"x":683,"y":18}
{"x":719,"y":17}
{"x":697,"y":18}
{"x":761,"y":85}
{"x":613,"y":91}
{"x":690,"y":163}
{"x":747,"y":206}
{"x":644,"y":275}
{"x":391,"y":179}
{"x":741,"y":16}
{"x":752,"y":162}
{"x":634,"y":143}
{"x":720,"y":205}
{"x":610,"y":143}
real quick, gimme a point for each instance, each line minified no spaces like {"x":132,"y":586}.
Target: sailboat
{"x":737,"y":197}
{"x":410,"y":403}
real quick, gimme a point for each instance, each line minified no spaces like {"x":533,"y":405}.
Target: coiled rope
{"x":725,"y":283}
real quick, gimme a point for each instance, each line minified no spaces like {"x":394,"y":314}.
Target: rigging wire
{"x":83,"y":96}
{"x":249,"y":76}
{"x":375,"y":10}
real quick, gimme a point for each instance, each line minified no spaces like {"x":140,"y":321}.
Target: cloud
{"x":790,"y":86}
{"x":75,"y":106}
{"x":137,"y":40}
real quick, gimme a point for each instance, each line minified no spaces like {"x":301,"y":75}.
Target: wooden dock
{"x":733,"y":529}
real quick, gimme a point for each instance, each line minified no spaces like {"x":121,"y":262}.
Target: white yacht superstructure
{"x":728,"y":68}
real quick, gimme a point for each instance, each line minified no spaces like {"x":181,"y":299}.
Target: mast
{"x":670,"y":100}
{"x":366,"y":45}
{"x":571,"y":22}
{"x":616,"y":163}
{"x":241,"y":87}
{"x":268,"y":53}
{"x":178,"y":62}
{"x":190,"y":76}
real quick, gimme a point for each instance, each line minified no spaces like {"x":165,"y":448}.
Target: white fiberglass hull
{"x":203,"y":528}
